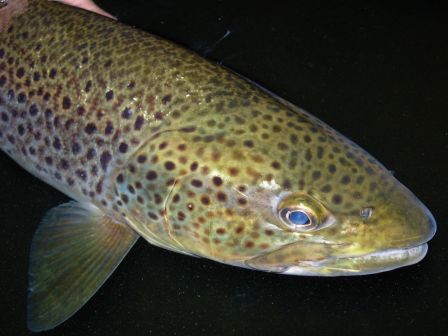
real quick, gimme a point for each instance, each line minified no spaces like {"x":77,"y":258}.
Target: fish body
{"x":152,"y":140}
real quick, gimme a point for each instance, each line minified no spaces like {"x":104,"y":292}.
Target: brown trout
{"x":151,"y":140}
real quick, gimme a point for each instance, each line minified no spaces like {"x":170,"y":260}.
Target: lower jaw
{"x":360,"y":265}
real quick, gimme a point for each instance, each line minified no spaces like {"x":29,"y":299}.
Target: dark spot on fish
{"x":248,"y":143}
{"x":233,"y":171}
{"x":57,"y":143}
{"x":20,"y":72}
{"x":80,"y":111}
{"x":249,"y":244}
{"x":52,"y":73}
{"x":336,"y":199}
{"x":127,"y":113}
{"x":217,"y":181}
{"x":21,"y":130}
{"x":166,"y":99}
{"x":320,"y":152}
{"x":10,"y":94}
{"x":91,"y":153}
{"x":123,"y":147}
{"x":194,"y":166}
{"x":120,"y":178}
{"x":66,"y":103}
{"x":64,"y":164}
{"x":138,"y":123}
{"x":158,"y":199}
{"x":345,"y":179}
{"x":105,"y":159}
{"x":33,"y":110}
{"x":222,"y":197}
{"x":131,"y":85}
{"x":36,"y":76}
{"x":169,"y":165}
{"x":152,"y":215}
{"x":21,"y":97}
{"x":69,"y":123}
{"x":205,"y":200}
{"x":48,"y":113}
{"x":90,"y":128}
{"x":88,"y":85}
{"x":109,"y":129}
{"x":109,"y":95}
{"x":125,"y":198}
{"x":99,"y":187}
{"x":82,"y":174}
{"x":141,"y":159}
{"x":196,"y":183}
{"x":151,"y":175}
{"x":57,"y":121}
{"x":76,"y":148}
{"x":242,"y":201}
{"x":4,"y":117}
{"x":275,"y":165}
{"x":316,"y":175}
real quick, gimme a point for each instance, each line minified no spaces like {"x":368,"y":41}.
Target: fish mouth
{"x":370,"y":263}
{"x":324,"y":260}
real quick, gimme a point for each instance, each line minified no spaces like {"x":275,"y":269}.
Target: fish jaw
{"x":345,"y":265}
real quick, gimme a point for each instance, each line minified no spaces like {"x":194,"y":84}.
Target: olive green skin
{"x":188,"y":154}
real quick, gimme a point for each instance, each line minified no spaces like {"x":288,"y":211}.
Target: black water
{"x":374,"y":71}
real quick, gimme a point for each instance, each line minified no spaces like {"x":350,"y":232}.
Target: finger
{"x":87,"y":5}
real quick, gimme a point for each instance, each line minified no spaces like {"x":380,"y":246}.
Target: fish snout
{"x":409,"y":220}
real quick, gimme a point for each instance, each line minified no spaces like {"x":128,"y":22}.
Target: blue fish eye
{"x":298,"y":217}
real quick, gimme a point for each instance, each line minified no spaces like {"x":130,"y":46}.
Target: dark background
{"x":376,"y":72}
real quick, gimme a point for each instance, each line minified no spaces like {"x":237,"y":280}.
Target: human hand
{"x":87,"y":5}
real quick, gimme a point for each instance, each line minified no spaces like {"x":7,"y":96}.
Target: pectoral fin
{"x":74,"y":251}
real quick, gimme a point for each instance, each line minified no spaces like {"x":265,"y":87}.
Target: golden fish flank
{"x":152,"y":140}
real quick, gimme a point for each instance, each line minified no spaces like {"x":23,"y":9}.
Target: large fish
{"x":151,"y":140}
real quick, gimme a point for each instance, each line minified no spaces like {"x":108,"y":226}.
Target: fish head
{"x":348,"y":214}
{"x":301,"y":199}
{"x":387,"y":232}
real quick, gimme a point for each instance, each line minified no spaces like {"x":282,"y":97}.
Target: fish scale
{"x":152,"y":140}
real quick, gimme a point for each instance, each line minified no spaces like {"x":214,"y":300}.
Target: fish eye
{"x":298,"y":219}
{"x":366,"y":213}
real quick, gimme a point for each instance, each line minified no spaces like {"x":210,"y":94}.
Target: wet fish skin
{"x":189,"y":155}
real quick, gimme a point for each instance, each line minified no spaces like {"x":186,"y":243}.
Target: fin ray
{"x":74,"y":251}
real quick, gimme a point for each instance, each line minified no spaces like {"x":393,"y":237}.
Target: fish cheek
{"x":209,"y":218}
